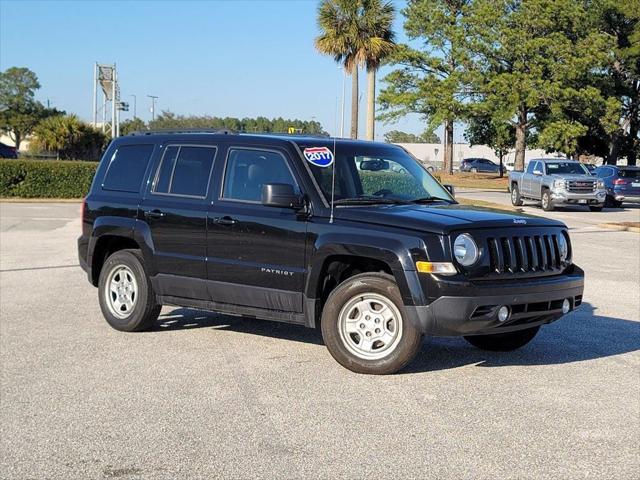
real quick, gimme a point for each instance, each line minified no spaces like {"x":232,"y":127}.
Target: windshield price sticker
{"x":319,"y":156}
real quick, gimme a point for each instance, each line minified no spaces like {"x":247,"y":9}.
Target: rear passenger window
{"x":185,"y":171}
{"x":127,"y":167}
{"x":532,"y":166}
{"x":248,"y":170}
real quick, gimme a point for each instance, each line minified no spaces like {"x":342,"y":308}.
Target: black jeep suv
{"x":354,"y":237}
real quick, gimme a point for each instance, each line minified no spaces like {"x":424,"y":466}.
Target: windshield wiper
{"x":431,"y":200}
{"x":364,"y":200}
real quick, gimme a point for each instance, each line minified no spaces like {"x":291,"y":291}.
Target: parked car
{"x":7,"y":151}
{"x":289,"y":229}
{"x":557,"y":182}
{"x":481,"y":165}
{"x":622,"y":184}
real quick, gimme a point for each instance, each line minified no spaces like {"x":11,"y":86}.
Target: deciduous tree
{"x":431,"y":76}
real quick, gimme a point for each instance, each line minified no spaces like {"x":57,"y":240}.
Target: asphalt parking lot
{"x":211,"y":396}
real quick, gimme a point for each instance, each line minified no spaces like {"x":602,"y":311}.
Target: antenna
{"x":333,"y":179}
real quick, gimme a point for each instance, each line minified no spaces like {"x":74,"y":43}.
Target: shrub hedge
{"x":45,"y":178}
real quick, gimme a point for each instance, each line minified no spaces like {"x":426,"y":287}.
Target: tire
{"x":474,"y":170}
{"x":503,"y":342}
{"x":139,"y":309}
{"x":595,"y":209}
{"x":350,"y":313}
{"x":611,"y":202}
{"x":547,"y":204}
{"x":516,"y":199}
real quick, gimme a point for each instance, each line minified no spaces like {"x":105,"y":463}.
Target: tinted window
{"x":248,"y":170}
{"x":566,"y":167}
{"x":631,"y":173}
{"x":604,"y":172}
{"x":127,"y":167}
{"x":185,"y":170}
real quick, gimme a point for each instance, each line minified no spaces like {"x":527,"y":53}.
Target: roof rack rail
{"x":162,"y":131}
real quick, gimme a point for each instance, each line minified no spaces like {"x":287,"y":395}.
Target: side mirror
{"x":451,"y":189}
{"x":280,"y":195}
{"x":537,"y":172}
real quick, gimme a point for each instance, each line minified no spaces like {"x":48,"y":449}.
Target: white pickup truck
{"x":555,"y":182}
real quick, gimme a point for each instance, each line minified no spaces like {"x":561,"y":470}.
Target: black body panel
{"x":245,"y":258}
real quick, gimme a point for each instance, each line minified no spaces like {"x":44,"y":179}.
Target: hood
{"x":441,"y":218}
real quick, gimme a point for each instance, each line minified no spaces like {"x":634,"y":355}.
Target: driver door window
{"x":248,"y":170}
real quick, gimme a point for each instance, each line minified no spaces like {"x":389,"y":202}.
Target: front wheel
{"x":595,"y":209}
{"x":503,"y":342}
{"x":474,"y":170}
{"x":126,"y":297}
{"x":365,"y":328}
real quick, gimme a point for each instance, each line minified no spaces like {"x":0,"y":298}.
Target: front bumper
{"x":470,"y":308}
{"x":564,"y":197}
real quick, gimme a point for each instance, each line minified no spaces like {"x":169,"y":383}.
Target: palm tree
{"x":378,"y":21}
{"x":356,"y":33}
{"x":338,"y":22}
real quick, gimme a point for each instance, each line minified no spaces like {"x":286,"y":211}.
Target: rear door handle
{"x":225,"y":221}
{"x":154,"y":213}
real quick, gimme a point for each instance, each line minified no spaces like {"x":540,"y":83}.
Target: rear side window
{"x":127,"y":167}
{"x":185,"y":170}
{"x":532,"y":166}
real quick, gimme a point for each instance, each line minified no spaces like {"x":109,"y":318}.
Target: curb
{"x":620,"y":227}
{"x":39,"y":200}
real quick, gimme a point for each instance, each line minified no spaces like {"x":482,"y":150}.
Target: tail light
{"x":619,"y":181}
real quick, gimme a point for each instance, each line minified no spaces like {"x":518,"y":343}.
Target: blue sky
{"x":223,"y":58}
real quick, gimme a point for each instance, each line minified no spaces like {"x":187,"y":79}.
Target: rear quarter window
{"x":127,"y":168}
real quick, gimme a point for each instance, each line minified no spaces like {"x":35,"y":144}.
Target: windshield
{"x":566,"y":167}
{"x":377,"y":174}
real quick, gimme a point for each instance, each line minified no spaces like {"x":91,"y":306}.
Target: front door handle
{"x":154,"y":213}
{"x":225,"y":220}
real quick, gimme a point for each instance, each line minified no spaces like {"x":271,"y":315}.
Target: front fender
{"x":399,"y":254}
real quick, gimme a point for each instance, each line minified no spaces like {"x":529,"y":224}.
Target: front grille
{"x":581,"y":186}
{"x":525,"y":253}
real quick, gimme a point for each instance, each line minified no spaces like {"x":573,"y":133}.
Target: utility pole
{"x":134,"y":106}
{"x":153,"y":106}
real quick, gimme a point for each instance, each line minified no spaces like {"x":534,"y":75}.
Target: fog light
{"x":566,"y":306}
{"x":503,"y":313}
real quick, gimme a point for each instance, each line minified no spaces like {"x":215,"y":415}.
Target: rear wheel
{"x":365,"y":328}
{"x":516,"y":199}
{"x":126,"y":297}
{"x":595,"y":209}
{"x":503,"y":342}
{"x":547,"y":204}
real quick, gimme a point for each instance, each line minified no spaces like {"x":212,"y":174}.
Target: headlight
{"x":558,"y":184}
{"x":465,"y":250}
{"x":600,"y":184}
{"x":563,"y":247}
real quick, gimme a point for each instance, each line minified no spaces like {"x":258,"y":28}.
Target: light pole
{"x":153,"y":106}
{"x":134,"y":106}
